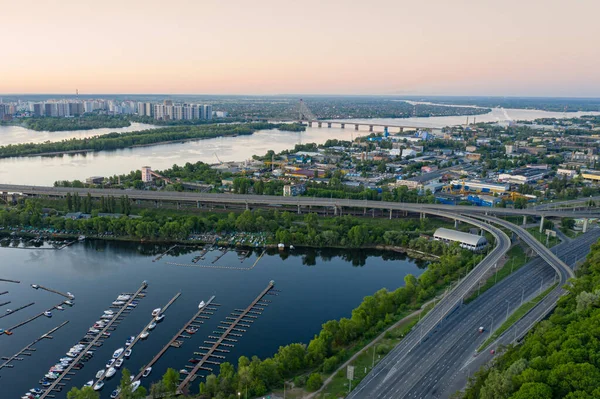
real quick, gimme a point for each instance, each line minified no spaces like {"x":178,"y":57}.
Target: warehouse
{"x":468,"y":241}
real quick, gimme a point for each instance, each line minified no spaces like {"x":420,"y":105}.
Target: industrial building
{"x":478,"y":187}
{"x":466,"y":240}
{"x":592,"y":175}
{"x":523,"y":176}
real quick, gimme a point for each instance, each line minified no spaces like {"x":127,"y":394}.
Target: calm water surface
{"x":316,"y":286}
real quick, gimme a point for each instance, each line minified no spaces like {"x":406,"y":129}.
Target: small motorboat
{"x":48,"y":313}
{"x":106,"y":334}
{"x":8,"y":310}
{"x":147,"y":372}
{"x":89,"y":383}
{"x":123,"y":297}
{"x":115,"y":393}
{"x":106,"y":317}
{"x":109,"y":312}
{"x":68,"y":303}
{"x":8,"y":332}
{"x":100,"y":373}
{"x":144,"y":335}
{"x":110,"y":372}
{"x":159,"y":318}
{"x":60,"y":308}
{"x":110,"y":363}
{"x":36,"y":391}
{"x":94,"y":330}
{"x":48,"y":383}
{"x":156,"y":312}
{"x":99,"y":385}
{"x":201,"y":305}
{"x":1,"y":330}
{"x":71,"y":296}
{"x":127,"y":354}
{"x":191,"y":330}
{"x":183,"y":371}
{"x":129,"y":341}
{"x":81,"y":238}
{"x":35,"y":286}
{"x":118,"y":353}
{"x":135,"y":385}
{"x":66,"y":359}
{"x":118,"y":303}
{"x":151,"y":326}
{"x":194,"y":360}
{"x":119,"y":363}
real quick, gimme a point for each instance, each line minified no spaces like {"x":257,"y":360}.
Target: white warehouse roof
{"x":464,"y":238}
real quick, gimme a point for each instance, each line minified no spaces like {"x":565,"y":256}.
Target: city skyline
{"x":269,"y":47}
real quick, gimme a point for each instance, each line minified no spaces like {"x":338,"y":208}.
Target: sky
{"x":387,"y":47}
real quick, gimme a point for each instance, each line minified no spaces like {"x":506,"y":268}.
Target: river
{"x":316,"y":286}
{"x":19,"y":134}
{"x":47,"y":170}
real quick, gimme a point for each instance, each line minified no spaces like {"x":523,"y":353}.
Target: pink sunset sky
{"x":443,"y":47}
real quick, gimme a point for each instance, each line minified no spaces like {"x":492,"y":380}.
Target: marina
{"x":56,"y":385}
{"x":121,"y":356}
{"x":193,"y":322}
{"x":240,"y":320}
{"x":29,"y":320}
{"x":95,"y":271}
{"x":15,"y":310}
{"x":213,"y":266}
{"x":68,"y":295}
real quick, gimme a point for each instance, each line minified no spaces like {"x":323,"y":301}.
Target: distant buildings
{"x":146,"y":174}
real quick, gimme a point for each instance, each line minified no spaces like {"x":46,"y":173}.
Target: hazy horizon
{"x":267,"y":47}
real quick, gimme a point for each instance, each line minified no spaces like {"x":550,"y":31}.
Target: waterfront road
{"x":440,"y":365}
{"x":271,"y":200}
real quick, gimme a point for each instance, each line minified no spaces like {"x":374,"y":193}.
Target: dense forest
{"x":559,"y":359}
{"x":113,"y":141}
{"x":87,"y":122}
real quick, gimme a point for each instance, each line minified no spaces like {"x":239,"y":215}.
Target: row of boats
{"x":76,"y":352}
{"x":119,"y":356}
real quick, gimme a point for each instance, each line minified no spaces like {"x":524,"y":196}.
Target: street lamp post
{"x":507,"y":306}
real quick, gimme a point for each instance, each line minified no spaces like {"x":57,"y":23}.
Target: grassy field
{"x":516,"y":259}
{"x":513,"y":318}
{"x":541,"y":237}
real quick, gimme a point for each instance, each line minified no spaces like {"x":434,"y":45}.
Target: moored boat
{"x":147,"y":372}
{"x":156,"y":312}
{"x":118,"y":353}
{"x":99,"y":385}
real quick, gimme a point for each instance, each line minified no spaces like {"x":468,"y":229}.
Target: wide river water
{"x":316,"y":286}
{"x":47,"y":170}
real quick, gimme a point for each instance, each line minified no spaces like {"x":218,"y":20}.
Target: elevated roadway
{"x":275,"y":201}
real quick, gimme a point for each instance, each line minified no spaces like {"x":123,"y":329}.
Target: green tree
{"x":170,"y":380}
{"x":314,"y":382}
{"x":83,"y":393}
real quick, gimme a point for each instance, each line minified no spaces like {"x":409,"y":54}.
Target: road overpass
{"x":301,"y":204}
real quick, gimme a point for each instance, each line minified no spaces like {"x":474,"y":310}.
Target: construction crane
{"x":221,"y":162}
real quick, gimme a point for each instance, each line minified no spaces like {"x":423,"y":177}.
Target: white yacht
{"x":119,"y":363}
{"x":147,"y":372}
{"x":135,"y":385}
{"x":123,"y":297}
{"x":48,"y":313}
{"x":144,"y":335}
{"x":151,"y":326}
{"x":109,"y":312}
{"x":100,"y":373}
{"x":127,"y":353}
{"x":110,"y":372}
{"x":159,"y":318}
{"x":99,"y":385}
{"x":118,"y":352}
{"x":201,"y":305}
{"x":156,"y":312}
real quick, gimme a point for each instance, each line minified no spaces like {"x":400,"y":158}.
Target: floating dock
{"x":137,"y":338}
{"x":159,"y":257}
{"x":10,"y":281}
{"x":175,"y":342}
{"x":219,"y":267}
{"x":17,"y":309}
{"x":41,"y":287}
{"x":231,"y":329}
{"x":92,"y":344}
{"x":26,"y":351}
{"x":21,"y":324}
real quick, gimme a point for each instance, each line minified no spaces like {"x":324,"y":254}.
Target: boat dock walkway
{"x":241,"y":320}
{"x":220,"y":256}
{"x":41,"y":287}
{"x":159,"y":257}
{"x":17,"y":309}
{"x":220,"y":267}
{"x":21,"y":324}
{"x":10,"y":281}
{"x":56,"y":383}
{"x":137,"y":338}
{"x":3,"y":292}
{"x":207,"y":308}
{"x":69,"y":243}
{"x":26,"y":351}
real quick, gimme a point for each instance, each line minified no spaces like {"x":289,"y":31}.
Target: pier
{"x":3,"y":292}
{"x":212,"y":266}
{"x":91,"y":344}
{"x":26,"y":351}
{"x":17,"y":309}
{"x":137,"y":338}
{"x":10,"y":281}
{"x":220,"y":256}
{"x":172,"y":342}
{"x":21,"y":324}
{"x":240,"y":318}
{"x":159,"y":257}
{"x":41,"y":287}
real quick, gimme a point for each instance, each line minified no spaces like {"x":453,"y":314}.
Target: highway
{"x":434,"y":369}
{"x":271,"y":200}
